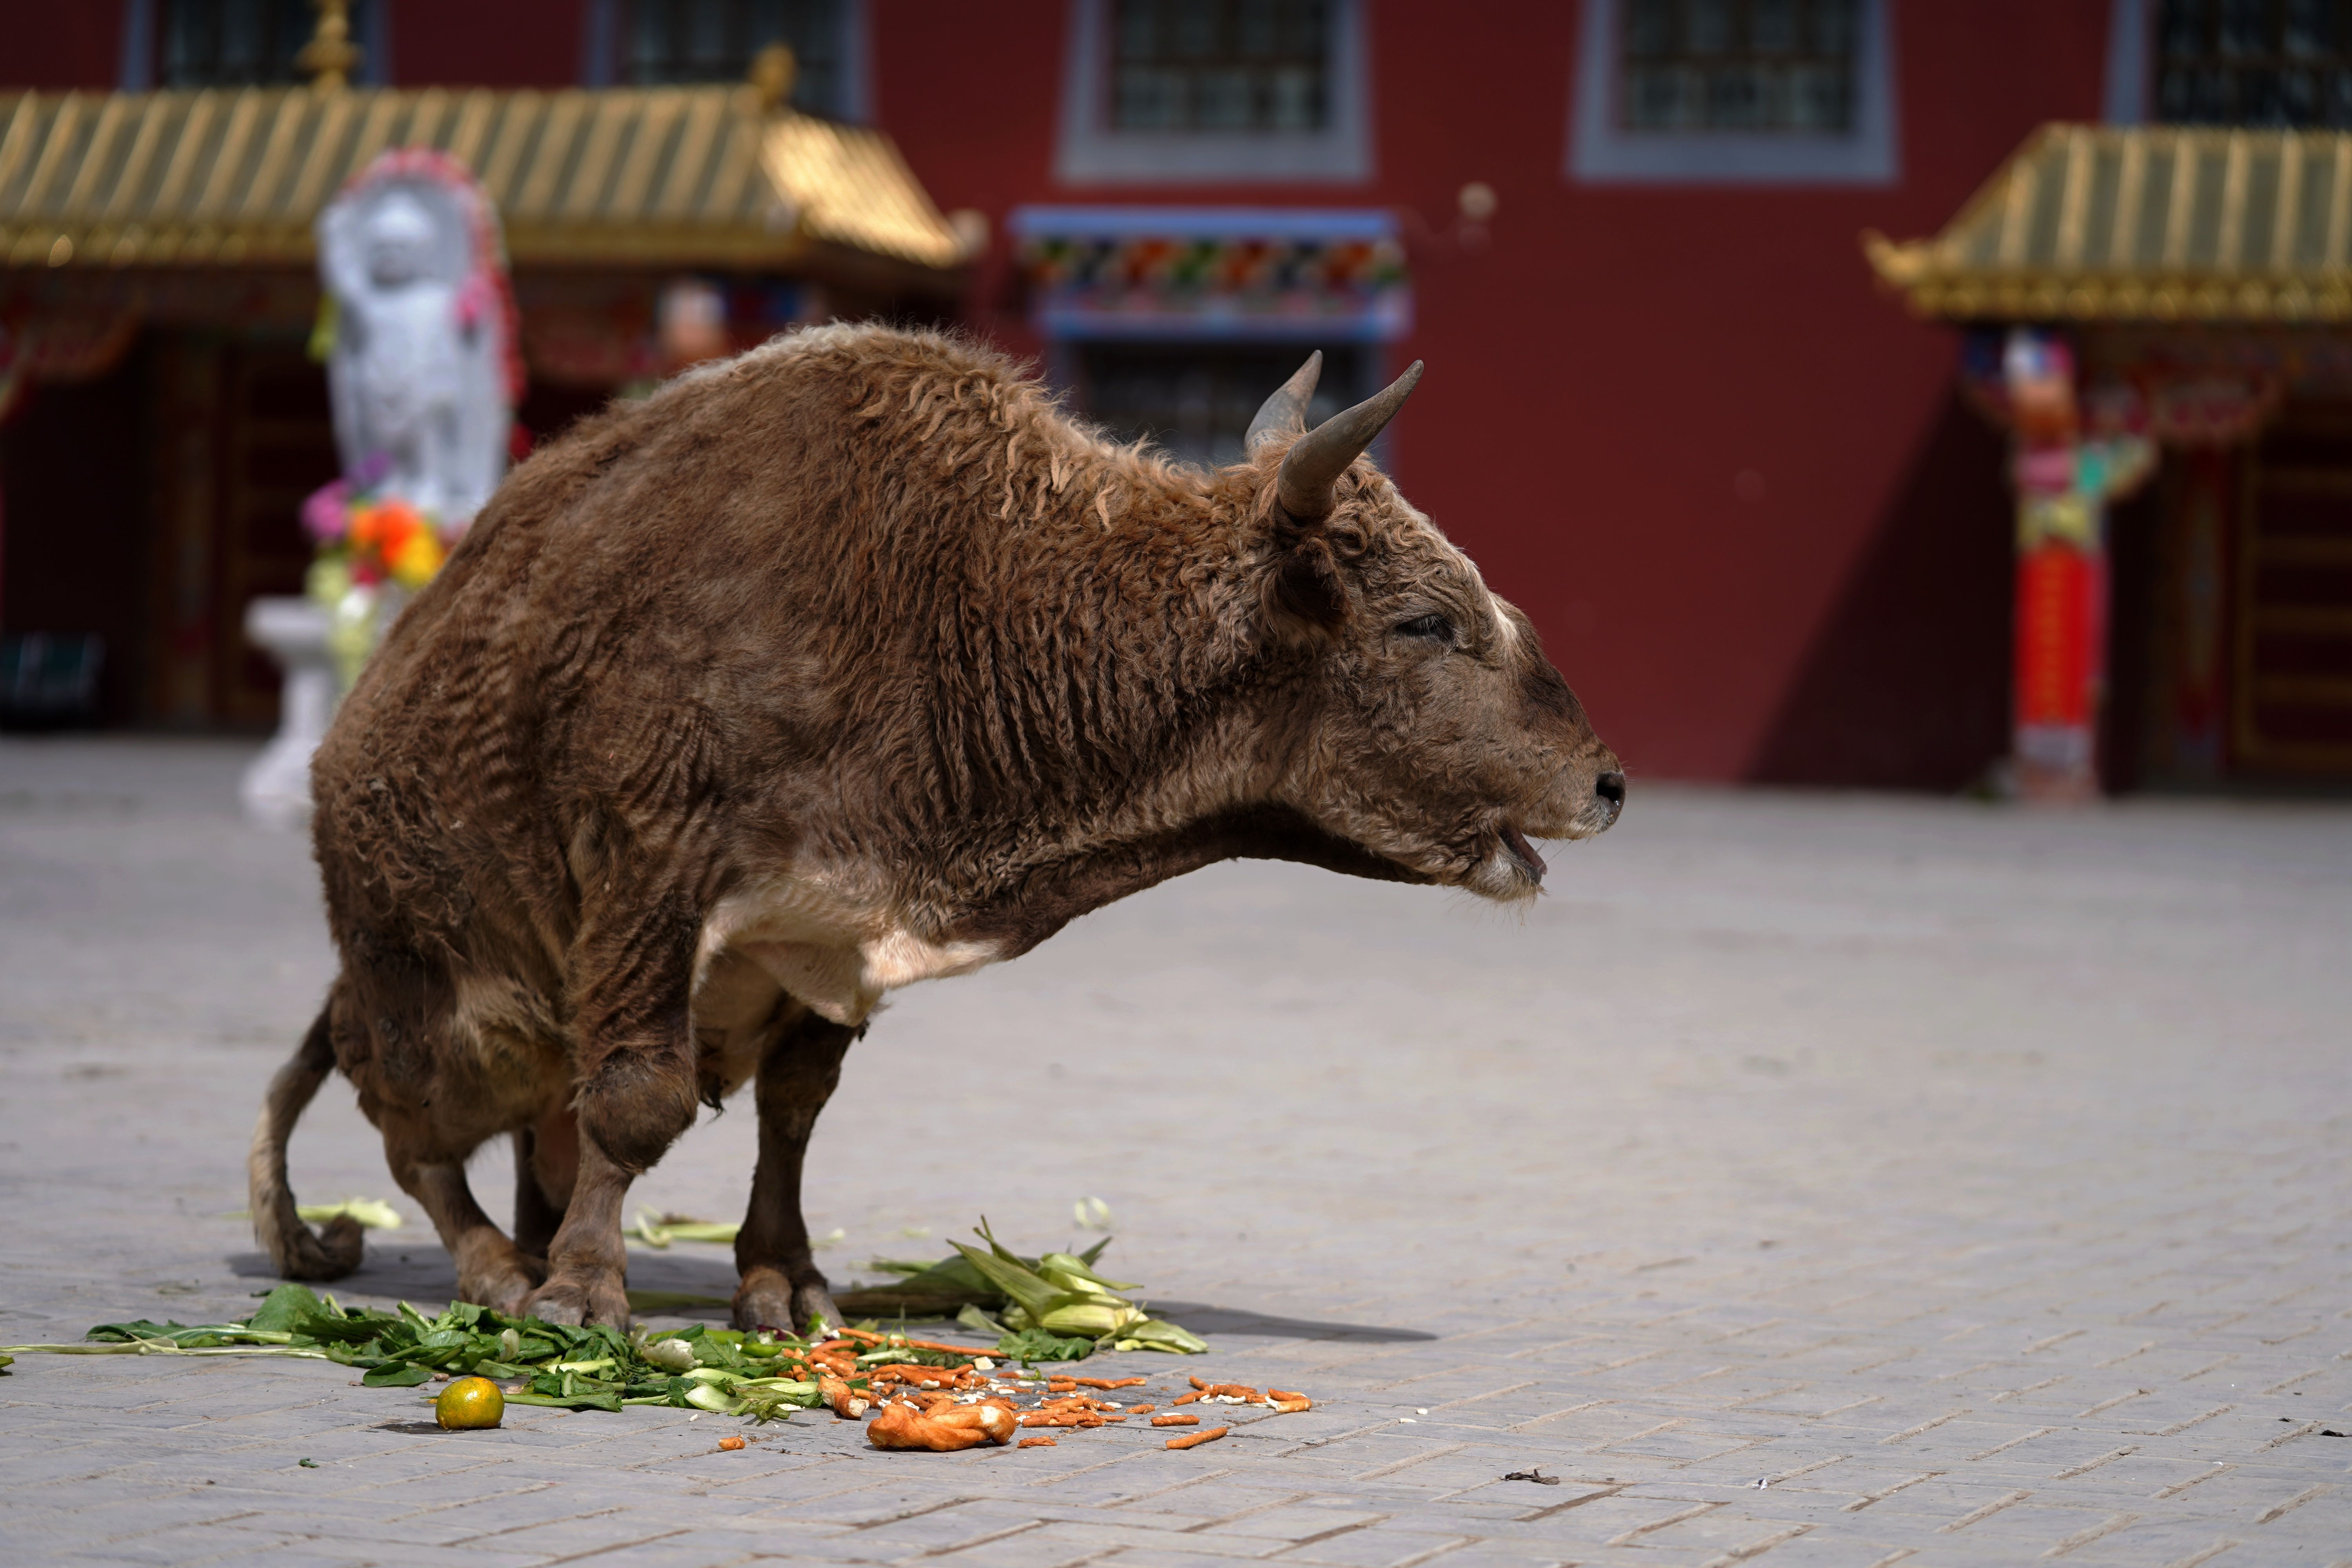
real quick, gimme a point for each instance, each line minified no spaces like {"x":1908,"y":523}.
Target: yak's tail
{"x":299,"y":1252}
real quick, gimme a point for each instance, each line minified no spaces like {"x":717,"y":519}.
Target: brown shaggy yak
{"x":845,"y":664}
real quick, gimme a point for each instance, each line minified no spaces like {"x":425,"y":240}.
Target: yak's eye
{"x":1437,"y":628}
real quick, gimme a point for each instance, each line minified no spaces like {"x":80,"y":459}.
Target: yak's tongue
{"x":1524,"y":851}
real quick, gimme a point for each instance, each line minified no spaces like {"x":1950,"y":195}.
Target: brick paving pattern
{"x":1807,"y":1181}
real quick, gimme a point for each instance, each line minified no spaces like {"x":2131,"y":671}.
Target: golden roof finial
{"x":774,"y":70}
{"x":329,"y":56}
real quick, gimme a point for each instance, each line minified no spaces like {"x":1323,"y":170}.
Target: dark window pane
{"x":238,"y":43}
{"x":1738,"y":65}
{"x":1195,"y":401}
{"x":1220,"y":65}
{"x":2255,"y":62}
{"x":675,"y":41}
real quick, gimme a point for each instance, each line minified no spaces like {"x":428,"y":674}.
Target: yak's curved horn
{"x":1284,"y":413}
{"x":1313,"y":465}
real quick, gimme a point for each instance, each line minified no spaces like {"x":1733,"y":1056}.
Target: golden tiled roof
{"x":680,"y":177}
{"x":2156,"y":222}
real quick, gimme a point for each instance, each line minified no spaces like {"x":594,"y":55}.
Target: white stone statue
{"x":423,"y":375}
{"x":419,"y":369}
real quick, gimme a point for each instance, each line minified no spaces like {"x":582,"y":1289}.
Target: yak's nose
{"x":1610,"y":789}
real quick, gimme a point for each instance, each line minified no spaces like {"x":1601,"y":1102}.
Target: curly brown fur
{"x":843,"y":664}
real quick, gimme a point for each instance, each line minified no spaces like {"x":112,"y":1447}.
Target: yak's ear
{"x":1306,"y":594}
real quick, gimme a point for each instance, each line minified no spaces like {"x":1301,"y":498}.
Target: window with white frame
{"x":1735,"y":91}
{"x":1195,"y":400}
{"x":1176,"y":91}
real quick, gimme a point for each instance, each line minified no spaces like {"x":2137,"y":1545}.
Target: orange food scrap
{"x":1185,"y":1398}
{"x":1195,"y":1439}
{"x":924,"y":1376}
{"x":731,"y":1444}
{"x":1110,"y":1382}
{"x":896,"y":1342}
{"x":1175,"y":1421}
{"x":942,"y":1431}
{"x":1141,"y":1409}
{"x":1036,"y":1443}
{"x":847,"y":1401}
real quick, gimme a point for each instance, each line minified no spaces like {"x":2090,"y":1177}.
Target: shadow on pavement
{"x":1206,"y":1320}
{"x":422,"y":1273}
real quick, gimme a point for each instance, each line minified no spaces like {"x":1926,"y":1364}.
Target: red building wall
{"x":1603,"y":371}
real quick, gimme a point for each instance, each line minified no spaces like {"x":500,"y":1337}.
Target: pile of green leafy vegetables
{"x":1053,"y":1308}
{"x":600,"y":1368}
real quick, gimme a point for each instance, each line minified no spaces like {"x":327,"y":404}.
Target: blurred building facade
{"x":1738,"y":485}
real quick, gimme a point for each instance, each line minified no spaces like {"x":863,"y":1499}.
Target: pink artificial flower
{"x":326,"y":515}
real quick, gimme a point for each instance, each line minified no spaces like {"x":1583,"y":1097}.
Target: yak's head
{"x":1428,"y":727}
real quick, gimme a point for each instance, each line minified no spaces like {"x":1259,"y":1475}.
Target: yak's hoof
{"x":301,"y":1253}
{"x":502,"y":1289}
{"x":577,"y":1300}
{"x":767,"y":1297}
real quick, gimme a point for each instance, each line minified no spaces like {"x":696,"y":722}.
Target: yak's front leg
{"x":781,"y":1286}
{"x":636,"y":1094}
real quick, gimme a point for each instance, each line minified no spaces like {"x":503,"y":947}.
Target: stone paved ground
{"x":1812,"y":1181}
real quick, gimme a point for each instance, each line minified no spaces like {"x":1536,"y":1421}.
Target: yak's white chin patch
{"x":834,"y":951}
{"x":1503,"y":878}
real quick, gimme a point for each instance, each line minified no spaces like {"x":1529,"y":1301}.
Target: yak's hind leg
{"x":490,"y":1272}
{"x":297,"y":1251}
{"x":782,"y":1285}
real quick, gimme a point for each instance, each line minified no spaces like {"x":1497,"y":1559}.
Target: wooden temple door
{"x":2291,"y":691}
{"x":242,"y":434}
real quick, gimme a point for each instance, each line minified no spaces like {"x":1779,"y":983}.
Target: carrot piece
{"x":1195,"y":1439}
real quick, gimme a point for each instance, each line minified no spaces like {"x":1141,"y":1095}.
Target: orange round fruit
{"x":469,"y":1404}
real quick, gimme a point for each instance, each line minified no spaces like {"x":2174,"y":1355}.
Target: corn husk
{"x":1062,"y":1263}
{"x":373,"y":1213}
{"x":659,"y":1230}
{"x":1158,"y":1334}
{"x":1089,"y":1316}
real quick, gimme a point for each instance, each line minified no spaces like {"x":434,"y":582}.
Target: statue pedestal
{"x":276,"y":789}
